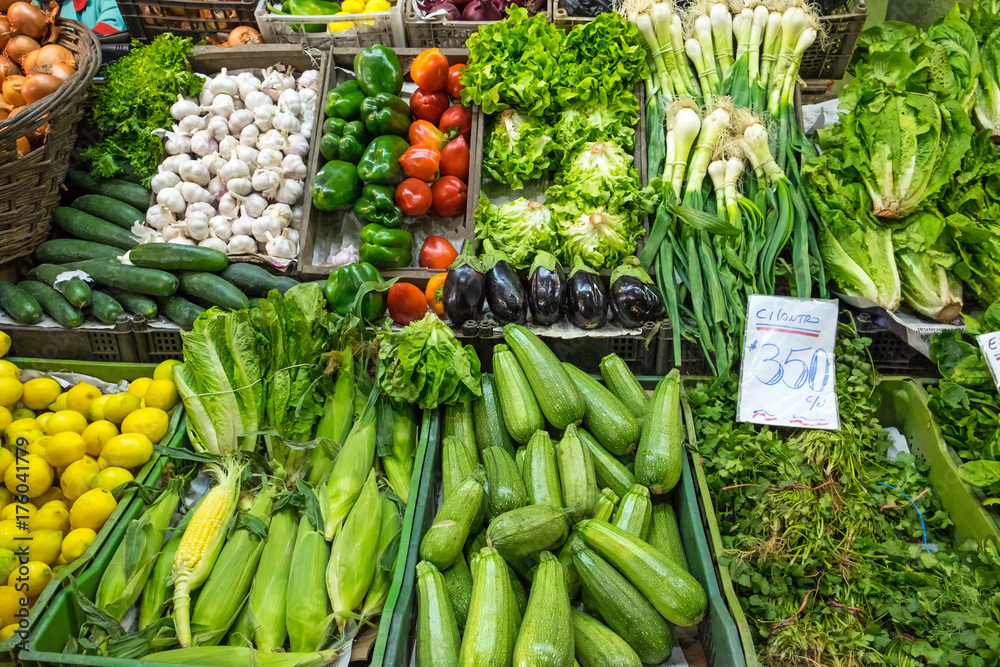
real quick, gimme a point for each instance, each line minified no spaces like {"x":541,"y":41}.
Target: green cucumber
{"x":61,"y":251}
{"x":105,"y":308}
{"x":110,"y":273}
{"x":130,"y":193}
{"x":491,"y":629}
{"x":254,"y":280}
{"x":136,"y":303}
{"x":610,"y":471}
{"x":664,"y":534}
{"x":606,"y":418}
{"x":635,"y":512}
{"x":174,"y":257}
{"x":576,"y":474}
{"x":541,"y":472}
{"x":76,"y":291}
{"x":20,"y":305}
{"x":491,"y":430}
{"x":53,"y":303}
{"x":596,"y":645}
{"x":556,"y":393}
{"x":619,"y":379}
{"x":458,"y":581}
{"x":658,"y":458}
{"x":545,"y":638}
{"x":179,"y":310}
{"x":505,"y":488}
{"x":438,"y":640}
{"x":520,"y":410}
{"x":526,"y":531}
{"x":112,"y":210}
{"x":214,"y":290}
{"x":443,"y":541}
{"x":459,"y":423}
{"x":90,"y":228}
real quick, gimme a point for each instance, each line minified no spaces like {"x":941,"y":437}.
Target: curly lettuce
{"x":600,"y":236}
{"x":518,"y":148}
{"x":520,"y":228}
{"x":582,"y":123}
{"x":601,"y":59}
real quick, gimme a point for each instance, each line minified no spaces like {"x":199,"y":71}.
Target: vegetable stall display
{"x":480,"y":11}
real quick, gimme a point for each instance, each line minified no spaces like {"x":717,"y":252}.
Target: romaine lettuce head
{"x":518,"y":149}
{"x":587,"y":122}
{"x":978,"y":244}
{"x":598,"y":232}
{"x":925,"y":257}
{"x":520,"y":228}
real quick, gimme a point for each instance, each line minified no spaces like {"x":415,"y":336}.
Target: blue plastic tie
{"x":923,"y":526}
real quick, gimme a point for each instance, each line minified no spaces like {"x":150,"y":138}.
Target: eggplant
{"x":586,"y":298}
{"x":464,"y":288}
{"x":546,"y":289}
{"x":635,"y":298}
{"x":504,"y":293}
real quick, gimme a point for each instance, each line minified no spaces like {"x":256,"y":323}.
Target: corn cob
{"x":202,"y":542}
{"x":352,"y":558}
{"x":338,"y":415}
{"x":382,"y":582}
{"x":233,"y":656}
{"x":349,"y":472}
{"x":308,"y":618}
{"x":155,"y":594}
{"x":265,"y":610}
{"x":135,"y":557}
{"x":224,"y":594}
{"x":399,"y":463}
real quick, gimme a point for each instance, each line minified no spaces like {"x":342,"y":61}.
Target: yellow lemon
{"x":129,"y":450}
{"x":11,"y":390}
{"x":77,"y":543}
{"x":53,"y":494}
{"x":97,"y":435}
{"x":165,"y":369}
{"x":51,"y":517}
{"x":6,"y":458}
{"x":10,"y":531}
{"x":59,"y":403}
{"x":353,"y":6}
{"x":101,"y":463}
{"x":92,"y":509}
{"x":22,"y":413}
{"x":32,"y":476}
{"x":18,"y":512}
{"x":8,"y":631}
{"x":35,"y":574}
{"x":19,"y":426}
{"x":81,"y":396}
{"x":9,"y":370}
{"x":8,"y":562}
{"x":5,"y":419}
{"x":6,"y":497}
{"x":161,"y":394}
{"x":37,"y":446}
{"x":40,"y":393}
{"x":43,"y":419}
{"x":119,"y":406}
{"x":110,"y":478}
{"x":65,"y":448}
{"x":4,"y":344}
{"x":97,"y":407}
{"x":45,"y":545}
{"x":10,"y":605}
{"x":75,"y":480}
{"x":65,"y":420}
{"x":139,"y":386}
{"x":376,"y":6}
{"x":58,"y":502}
{"x":151,"y":422}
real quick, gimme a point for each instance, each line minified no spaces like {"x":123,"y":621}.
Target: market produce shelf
{"x":365,"y":29}
{"x":185,"y":18}
{"x":425,"y":34}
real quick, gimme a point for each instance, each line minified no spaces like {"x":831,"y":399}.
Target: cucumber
{"x":506,"y":491}
{"x":458,"y":423}
{"x":606,"y":418}
{"x":596,"y":645}
{"x":622,"y":383}
{"x":526,"y":531}
{"x":438,"y":641}
{"x":489,"y":420}
{"x":669,"y":588}
{"x":541,"y":472}
{"x":136,"y":303}
{"x":443,"y":541}
{"x":60,"y":251}
{"x":576,"y":474}
{"x":254,"y":280}
{"x":111,"y":273}
{"x":53,"y":303}
{"x":105,"y":308}
{"x":173,"y":257}
{"x":658,"y":458}
{"x":610,"y":471}
{"x":635,"y":512}
{"x":490,"y":631}
{"x":179,"y":310}
{"x":520,"y":410}
{"x":76,"y":291}
{"x":130,"y":193}
{"x":458,"y":581}
{"x":664,"y":535}
{"x":557,"y":395}
{"x":112,"y":210}
{"x":254,"y":302}
{"x":89,"y":228}
{"x":213,"y":289}
{"x":624,"y":608}
{"x":20,"y":305}
{"x":606,"y":504}
{"x":545,"y":638}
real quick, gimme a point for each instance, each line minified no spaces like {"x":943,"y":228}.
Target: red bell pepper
{"x":450,"y":195}
{"x":460,"y":117}
{"x":425,"y":133}
{"x":427,"y":105}
{"x":414,"y":197}
{"x":422,"y":163}
{"x":455,"y":159}
{"x":430,"y":70}
{"x":455,"y":85}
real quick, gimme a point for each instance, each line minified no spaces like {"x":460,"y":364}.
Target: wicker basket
{"x":29,"y":185}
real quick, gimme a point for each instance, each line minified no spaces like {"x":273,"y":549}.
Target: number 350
{"x":815,"y":371}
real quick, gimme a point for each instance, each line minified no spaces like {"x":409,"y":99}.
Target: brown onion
{"x":23,"y":146}
{"x":7,"y":68}
{"x":5,"y":5}
{"x":38,"y":86}
{"x":37,"y":138}
{"x":243,"y":35}
{"x":26,"y":19}
{"x":30,"y":62}
{"x":5,"y":33}
{"x":12,"y":90}
{"x":52,"y":54}
{"x":61,"y":70}
{"x":20,"y":46}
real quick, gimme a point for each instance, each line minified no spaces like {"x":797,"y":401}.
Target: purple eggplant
{"x":586,"y":298}
{"x":464,"y":288}
{"x":504,"y":292}
{"x":635,"y":298}
{"x":546,"y":289}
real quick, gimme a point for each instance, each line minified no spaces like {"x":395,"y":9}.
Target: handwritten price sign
{"x":990,"y":344}
{"x":788,"y":372}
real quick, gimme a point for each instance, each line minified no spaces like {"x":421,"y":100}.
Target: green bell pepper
{"x":342,"y":286}
{"x":380,"y":163}
{"x":344,"y":140}
{"x":386,"y":114}
{"x":378,"y":70}
{"x":386,"y":248}
{"x":377,"y":204}
{"x":345,"y":100}
{"x":336,"y":186}
{"x":312,"y":8}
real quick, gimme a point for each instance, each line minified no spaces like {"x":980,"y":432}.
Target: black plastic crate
{"x":196,"y":18}
{"x":156,"y":344}
{"x":85,"y":343}
{"x":891,"y":355}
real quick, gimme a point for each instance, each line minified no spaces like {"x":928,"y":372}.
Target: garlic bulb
{"x":291,"y":234}
{"x":173,"y":163}
{"x":222,"y":83}
{"x":228,"y":205}
{"x":192,"y":192}
{"x":220,"y":227}
{"x":177,"y":143}
{"x":240,"y":186}
{"x":222,"y":105}
{"x":247,"y":83}
{"x":267,"y":182}
{"x":215,"y":187}
{"x":282,"y":212}
{"x":214,"y":162}
{"x":235,"y":168}
{"x":265,"y":225}
{"x":308,"y":97}
{"x":195,"y":172}
{"x":215,"y":244}
{"x":297,"y":144}
{"x":246,"y":154}
{"x":269,"y":158}
{"x":290,"y":192}
{"x":164,"y":179}
{"x":199,"y":207}
{"x":218,"y":127}
{"x":172,"y":231}
{"x":263,"y":116}
{"x":202,"y":143}
{"x":281,"y":247}
{"x":227,"y":145}
{"x":346,"y":255}
{"x":249,"y":135}
{"x":290,"y":102}
{"x":205,"y":97}
{"x":296,"y":217}
{"x":256,"y":99}
{"x":159,"y":216}
{"x":255,"y":205}
{"x":190,"y":124}
{"x":240,"y":119}
{"x":183,"y":107}
{"x":276,"y":82}
{"x":243,"y":225}
{"x":240,"y":245}
{"x":286,"y":122}
{"x":309,"y":79}
{"x":197,"y":226}
{"x":293,"y":167}
{"x":172,"y":199}
{"x":271,"y":139}
{"x":181,"y":240}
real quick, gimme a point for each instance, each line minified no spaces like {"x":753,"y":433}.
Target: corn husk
{"x":349,"y":472}
{"x":308,"y":618}
{"x":398,"y":463}
{"x":235,"y":656}
{"x":388,"y":547}
{"x":353,"y":557}
{"x":264,"y":616}
{"x":338,"y":416}
{"x":160,"y":584}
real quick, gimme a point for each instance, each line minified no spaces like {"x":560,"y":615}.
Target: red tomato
{"x":460,"y":117}
{"x":455,"y":85}
{"x":430,"y":70}
{"x":421,"y":162}
{"x":406,"y":303}
{"x":455,"y":159}
{"x":414,"y":197}
{"x":425,"y":133}
{"x":437,"y":252}
{"x":450,"y":195}
{"x":426,"y":105}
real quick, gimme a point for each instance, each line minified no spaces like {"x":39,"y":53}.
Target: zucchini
{"x":214,"y":290}
{"x":635,"y":512}
{"x":610,"y":471}
{"x":113,"y":210}
{"x":443,"y":541}
{"x":111,"y":273}
{"x":545,"y":638}
{"x":620,"y":381}
{"x":518,"y":593}
{"x":596,"y":645}
{"x":658,"y":459}
{"x":53,"y":303}
{"x":541,"y":472}
{"x":455,"y":465}
{"x":576,"y":474}
{"x":519,"y":460}
{"x":136,"y":303}
{"x":506,"y":491}
{"x":526,"y":531}
{"x":458,"y":581}
{"x":606,"y":417}
{"x":557,"y":395}
{"x":130,"y":193}
{"x":489,"y":421}
{"x":173,"y":257}
{"x":89,"y":228}
{"x":664,"y":535}
{"x":60,"y":251}
{"x":490,"y":630}
{"x":520,"y":410}
{"x":20,"y":305}
{"x":254,"y":280}
{"x":624,"y":608}
{"x":179,"y":310}
{"x":458,"y":422}
{"x":669,"y":588}
{"x":473,"y":546}
{"x":76,"y":290}
{"x":438,"y":641}
{"x":105,"y":308}
{"x":606,"y":503}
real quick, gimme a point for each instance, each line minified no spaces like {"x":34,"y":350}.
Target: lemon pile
{"x":81,"y":444}
{"x":358,"y":7}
